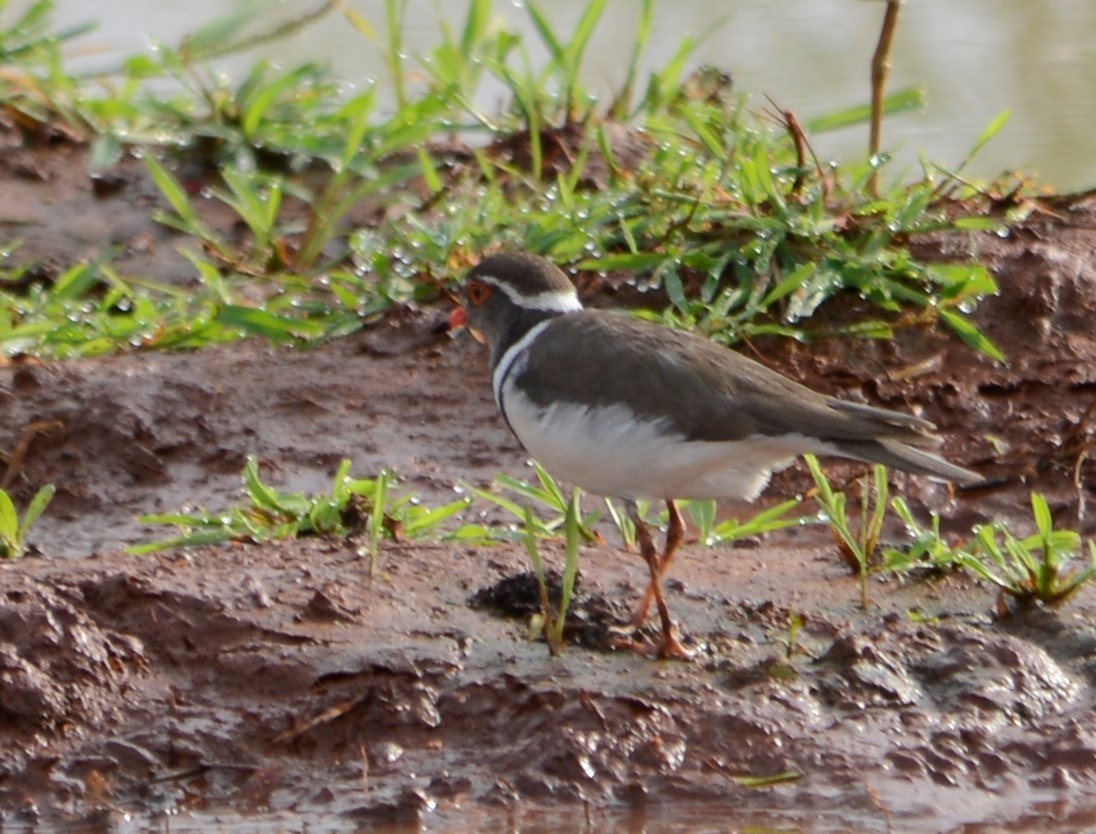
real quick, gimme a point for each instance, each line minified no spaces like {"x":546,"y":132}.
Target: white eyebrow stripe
{"x":553,"y":301}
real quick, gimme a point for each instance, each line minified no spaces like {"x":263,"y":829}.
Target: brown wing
{"x":717,"y":394}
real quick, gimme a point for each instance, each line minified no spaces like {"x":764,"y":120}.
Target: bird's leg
{"x":675,"y":533}
{"x":670,"y":646}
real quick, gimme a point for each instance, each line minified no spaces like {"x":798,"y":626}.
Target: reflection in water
{"x":974,"y":59}
{"x":665,"y":818}
{"x":677,"y":818}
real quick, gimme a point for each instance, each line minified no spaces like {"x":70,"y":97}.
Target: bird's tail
{"x":898,"y":455}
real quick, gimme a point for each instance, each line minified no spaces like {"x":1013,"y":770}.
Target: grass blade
{"x":900,"y":101}
{"x":35,"y":508}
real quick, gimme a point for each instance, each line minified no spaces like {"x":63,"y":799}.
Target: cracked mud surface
{"x":282,"y":679}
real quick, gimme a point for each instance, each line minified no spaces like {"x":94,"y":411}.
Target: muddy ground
{"x":281,"y":678}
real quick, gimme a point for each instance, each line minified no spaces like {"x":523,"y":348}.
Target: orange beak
{"x":458,"y":318}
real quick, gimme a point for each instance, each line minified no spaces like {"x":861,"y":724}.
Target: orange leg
{"x":675,"y":533}
{"x":670,"y":646}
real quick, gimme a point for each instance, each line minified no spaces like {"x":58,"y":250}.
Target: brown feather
{"x":717,"y":394}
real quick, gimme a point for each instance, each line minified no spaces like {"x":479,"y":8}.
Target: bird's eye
{"x":478,"y":292}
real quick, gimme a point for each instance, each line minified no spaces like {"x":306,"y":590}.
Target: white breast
{"x":606,"y":450}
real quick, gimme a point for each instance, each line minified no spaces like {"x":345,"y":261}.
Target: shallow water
{"x":681,"y":819}
{"x":974,"y":59}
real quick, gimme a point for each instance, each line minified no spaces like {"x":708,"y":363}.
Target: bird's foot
{"x":625,"y":643}
{"x":671,"y":649}
{"x":627,"y":639}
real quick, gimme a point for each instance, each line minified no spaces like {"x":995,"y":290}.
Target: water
{"x":671,"y":818}
{"x":974,"y":59}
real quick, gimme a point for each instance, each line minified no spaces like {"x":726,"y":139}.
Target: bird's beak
{"x":458,"y":319}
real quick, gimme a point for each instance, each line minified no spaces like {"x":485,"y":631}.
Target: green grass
{"x":858,"y":542}
{"x":710,"y":532}
{"x":355,"y":508}
{"x":928,"y":549}
{"x":13,"y":528}
{"x":364,"y":511}
{"x":719,"y":208}
{"x":1048,"y":566}
{"x":544,"y":495}
{"x":552,"y":619}
{"x":542,"y":508}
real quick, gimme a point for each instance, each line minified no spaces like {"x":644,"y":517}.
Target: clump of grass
{"x":1043,"y":566}
{"x":354,"y":506}
{"x":542,"y":508}
{"x":719,"y":207}
{"x":624,"y":525}
{"x":551,"y":504}
{"x":711,"y":532}
{"x":270,"y":119}
{"x":553,"y":621}
{"x":13,"y":529}
{"x":857,"y":547}
{"x":928,"y":549}
{"x":722,"y":200}
{"x":1048,"y":566}
{"x":33,"y":83}
{"x":90,"y":309}
{"x":544,"y":511}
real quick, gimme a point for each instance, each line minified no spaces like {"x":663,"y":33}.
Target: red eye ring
{"x":478,"y":292}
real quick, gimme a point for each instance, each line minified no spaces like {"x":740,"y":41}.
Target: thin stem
{"x":880,"y":68}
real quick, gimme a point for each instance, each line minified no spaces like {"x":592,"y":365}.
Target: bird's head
{"x":512,"y":290}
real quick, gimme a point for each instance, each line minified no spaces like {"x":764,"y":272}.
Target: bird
{"x":630,"y":409}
